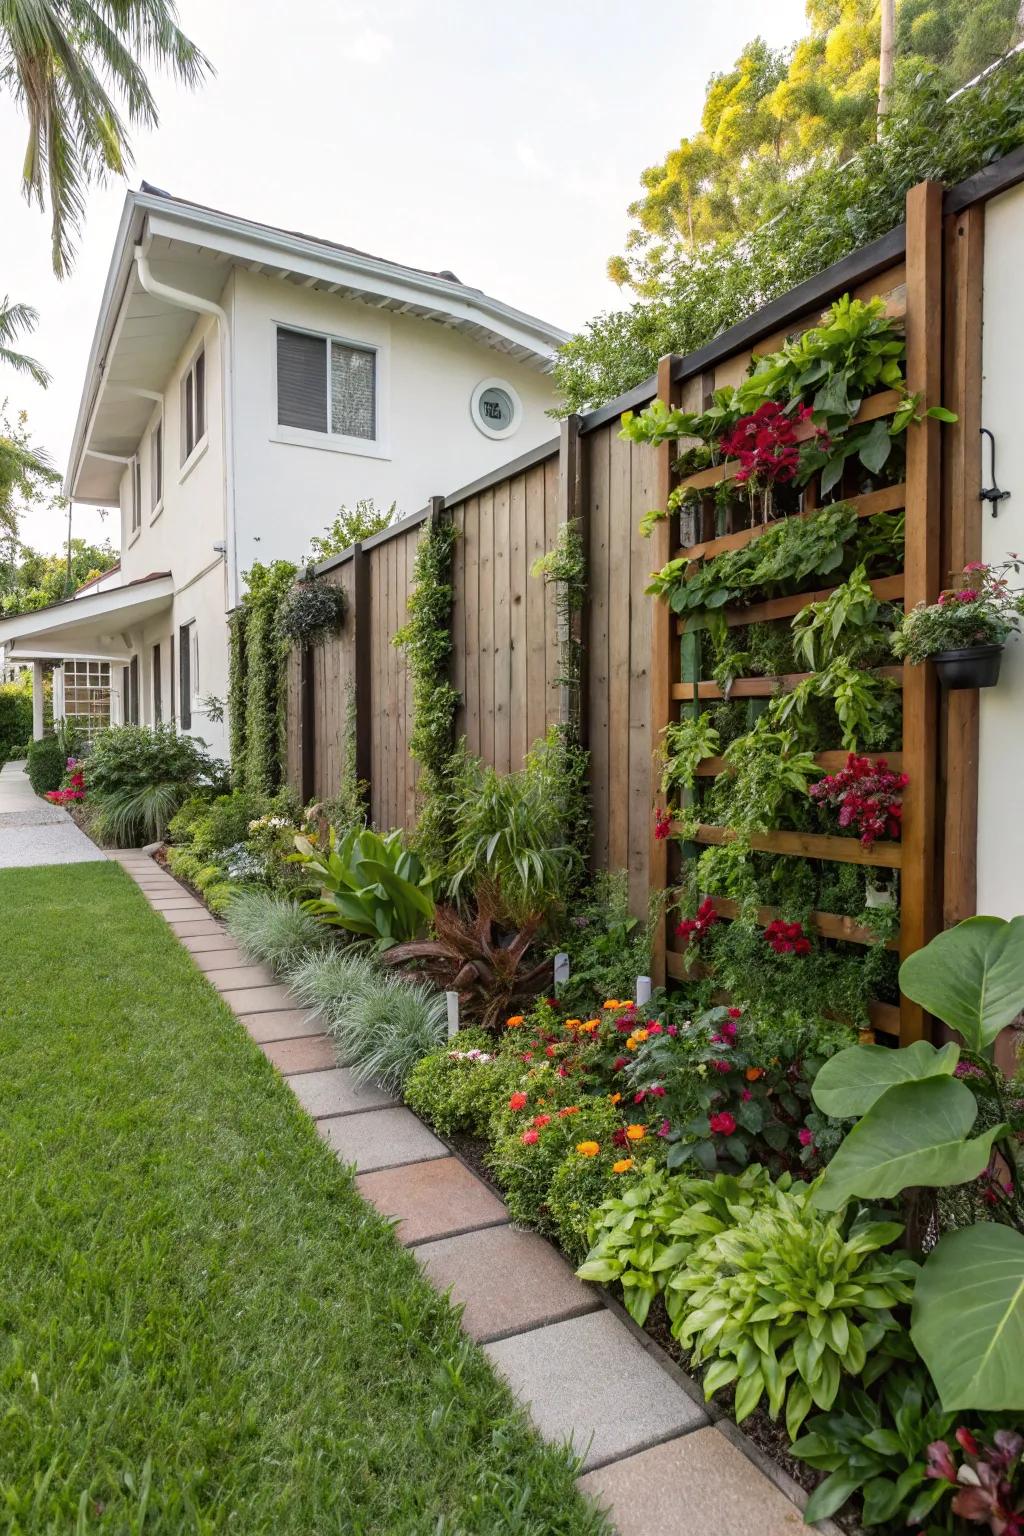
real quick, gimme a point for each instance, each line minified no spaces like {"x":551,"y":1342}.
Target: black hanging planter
{"x":975,"y":667}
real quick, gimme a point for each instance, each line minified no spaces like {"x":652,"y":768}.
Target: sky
{"x":502,"y":143}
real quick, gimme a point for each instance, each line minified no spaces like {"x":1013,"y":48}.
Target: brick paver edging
{"x":654,"y":1455}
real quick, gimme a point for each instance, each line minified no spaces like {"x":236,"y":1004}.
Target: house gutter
{"x":204,"y":306}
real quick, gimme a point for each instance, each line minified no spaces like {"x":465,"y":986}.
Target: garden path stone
{"x":234,"y":977}
{"x":228,"y":957}
{"x":381,"y":1138}
{"x":209,"y":943}
{"x":187,"y":927}
{"x":307,"y":1053}
{"x":267,"y":999}
{"x":336,"y":1092}
{"x":690,"y":1486}
{"x":507,"y":1280}
{"x":430,"y":1200}
{"x":176,"y":906}
{"x":591,"y":1381}
{"x":281,"y":1024}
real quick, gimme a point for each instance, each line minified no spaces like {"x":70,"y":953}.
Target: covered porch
{"x":91,"y":645}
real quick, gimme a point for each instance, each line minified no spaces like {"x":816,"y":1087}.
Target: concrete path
{"x":652,"y":1458}
{"x":32,"y":831}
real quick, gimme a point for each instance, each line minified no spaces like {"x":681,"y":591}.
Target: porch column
{"x":37,"y":701}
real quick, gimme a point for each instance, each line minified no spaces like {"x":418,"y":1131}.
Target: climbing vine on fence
{"x":427,"y":642}
{"x":257,"y":684}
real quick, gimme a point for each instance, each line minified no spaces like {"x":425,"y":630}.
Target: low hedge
{"x":46,"y":764}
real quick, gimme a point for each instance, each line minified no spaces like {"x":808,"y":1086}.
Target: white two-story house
{"x":244,"y":383}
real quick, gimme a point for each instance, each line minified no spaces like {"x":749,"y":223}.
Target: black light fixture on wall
{"x":992,"y":493}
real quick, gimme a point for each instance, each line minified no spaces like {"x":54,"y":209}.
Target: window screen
{"x":301,"y":381}
{"x":352,"y":391}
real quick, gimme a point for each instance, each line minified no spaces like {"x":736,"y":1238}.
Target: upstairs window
{"x":325,"y":385}
{"x":193,"y":406}
{"x":136,"y":472}
{"x":156,"y":464}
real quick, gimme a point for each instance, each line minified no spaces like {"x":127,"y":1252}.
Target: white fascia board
{"x":307,"y":258}
{"x":75,"y":610}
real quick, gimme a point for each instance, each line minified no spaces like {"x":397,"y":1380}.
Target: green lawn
{"x":202,"y":1327}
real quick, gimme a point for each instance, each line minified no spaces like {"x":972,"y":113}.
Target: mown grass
{"x":202,"y":1326}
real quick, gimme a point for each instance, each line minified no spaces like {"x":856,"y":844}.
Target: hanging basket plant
{"x":312,"y":610}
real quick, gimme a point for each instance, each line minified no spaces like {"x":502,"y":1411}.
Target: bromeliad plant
{"x":916,"y":1131}
{"x":372,"y":886}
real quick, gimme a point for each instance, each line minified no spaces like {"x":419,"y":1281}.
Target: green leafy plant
{"x":877,"y":1448}
{"x":539,"y":1135}
{"x":459,"y":1086}
{"x":851,"y":610}
{"x":45,"y":764}
{"x":689,"y":742}
{"x":257,"y":678}
{"x":983,"y":610}
{"x":766,"y":772}
{"x":608,"y":948}
{"x":914,"y":1130}
{"x":788,"y":1303}
{"x":137,"y":776}
{"x":427,"y":642}
{"x":311,"y":611}
{"x":867,"y":705}
{"x":370,"y":885}
{"x":352,"y":526}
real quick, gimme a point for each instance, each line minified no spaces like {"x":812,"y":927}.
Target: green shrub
{"x":183,"y":863}
{"x":46,"y":763}
{"x":219,"y":896}
{"x":15,"y":718}
{"x":578,"y":1188}
{"x":137,"y":777}
{"x":528,"y":1155}
{"x":608,"y":947}
{"x":460,"y":1085}
{"x":272,"y":929}
{"x":182,"y":823}
{"x":222,"y":822}
{"x":386,"y":1029}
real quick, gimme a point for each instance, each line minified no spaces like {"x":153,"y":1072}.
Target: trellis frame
{"x":675,"y":680}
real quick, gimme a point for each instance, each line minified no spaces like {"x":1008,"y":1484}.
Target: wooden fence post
{"x":922,"y":567}
{"x":307,"y":724}
{"x":961,"y":543}
{"x":572,"y":507}
{"x":664,"y":664}
{"x":361,"y":663}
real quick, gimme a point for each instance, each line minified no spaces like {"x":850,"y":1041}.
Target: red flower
{"x":766,"y":444}
{"x":696,"y":927}
{"x":619,"y":1137}
{"x":966,"y":1441}
{"x":722,"y":1124}
{"x":517,"y":1101}
{"x":657,"y":1092}
{"x":805,"y":1137}
{"x":868,"y":797}
{"x":662,"y":825}
{"x":540,"y":1120}
{"x":735,"y":1013}
{"x":619,"y":1063}
{"x":787,"y":938}
{"x":529,"y":1137}
{"x":722,"y":1066}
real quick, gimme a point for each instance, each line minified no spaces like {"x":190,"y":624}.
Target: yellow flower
{"x":572,"y":1023}
{"x":631,"y":1043}
{"x":588,"y":1148}
{"x":615,"y":1098}
{"x":613,"y":1003}
{"x":636,"y":1132}
{"x":589,"y":1026}
{"x":623,"y":1165}
{"x":640,"y":1034}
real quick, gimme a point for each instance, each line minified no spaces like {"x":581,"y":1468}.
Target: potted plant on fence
{"x":965,"y":631}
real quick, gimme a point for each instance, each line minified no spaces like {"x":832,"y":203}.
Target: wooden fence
{"x":505,"y":658}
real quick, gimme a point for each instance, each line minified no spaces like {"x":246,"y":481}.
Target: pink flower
{"x":722,"y":1066}
{"x":722,"y":1124}
{"x":657,"y":1092}
{"x":805,"y":1137}
{"x":664,"y":1128}
{"x":746,"y":1095}
{"x":662,"y":825}
{"x":735,"y":1013}
{"x":673,"y":1030}
{"x":529,"y":1137}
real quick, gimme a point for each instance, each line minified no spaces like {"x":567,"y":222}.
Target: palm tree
{"x":14,"y":319}
{"x":54,"y":58}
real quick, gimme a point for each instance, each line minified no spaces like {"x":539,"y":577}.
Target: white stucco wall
{"x":427,"y":445}
{"x":1001,"y":759}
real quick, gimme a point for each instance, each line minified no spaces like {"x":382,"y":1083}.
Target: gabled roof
{"x":138,"y":337}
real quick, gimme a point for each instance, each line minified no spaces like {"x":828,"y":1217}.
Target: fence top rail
{"x":392,"y":531}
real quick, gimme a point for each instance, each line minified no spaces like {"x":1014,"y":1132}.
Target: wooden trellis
{"x":676,"y":682}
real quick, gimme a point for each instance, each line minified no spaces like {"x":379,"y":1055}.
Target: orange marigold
{"x":514,"y":1022}
{"x":623,"y":1165}
{"x":589,"y":1025}
{"x":588,"y":1148}
{"x":636,"y":1132}
{"x":615,"y":1098}
{"x":570,"y":1109}
{"x":753,"y":1073}
{"x":614,"y":1003}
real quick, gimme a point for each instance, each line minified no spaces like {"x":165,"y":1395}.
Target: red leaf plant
{"x":868,"y":797}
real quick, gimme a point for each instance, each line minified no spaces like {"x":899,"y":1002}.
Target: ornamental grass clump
{"x":330,"y":980}
{"x":272,"y":929}
{"x":790,"y":1302}
{"x":386,"y":1029}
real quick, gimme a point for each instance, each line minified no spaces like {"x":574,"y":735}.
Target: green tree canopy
{"x":779,"y":113}
{"x":29,"y":580}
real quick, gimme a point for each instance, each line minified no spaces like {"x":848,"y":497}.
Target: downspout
{"x":203,"y":306}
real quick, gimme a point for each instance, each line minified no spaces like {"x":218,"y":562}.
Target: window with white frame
{"x":193,"y":405}
{"x":87,"y":695}
{"x":156,"y":465}
{"x":136,"y":477}
{"x":325,"y":385}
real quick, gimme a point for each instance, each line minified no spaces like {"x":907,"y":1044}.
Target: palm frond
{"x":17,"y":320}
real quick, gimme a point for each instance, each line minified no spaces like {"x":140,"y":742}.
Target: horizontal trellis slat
{"x":830,"y":925}
{"x":889,"y":498}
{"x":888,"y":589}
{"x":803,"y":845}
{"x":832,"y":762}
{"x":764,"y":687}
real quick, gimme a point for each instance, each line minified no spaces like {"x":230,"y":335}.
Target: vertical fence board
{"x":641,"y":785}
{"x":470,"y":723}
{"x":598,"y":480}
{"x":619,"y":619}
{"x":551,"y":700}
{"x":536,"y":668}
{"x":502,"y":631}
{"x":486,"y":619}
{"x":519,"y":702}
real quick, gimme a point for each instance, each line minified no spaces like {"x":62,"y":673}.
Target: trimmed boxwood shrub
{"x":15,"y":718}
{"x":455,"y":1090}
{"x":46,"y":763}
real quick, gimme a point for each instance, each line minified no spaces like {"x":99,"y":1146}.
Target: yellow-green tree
{"x":781,"y":112}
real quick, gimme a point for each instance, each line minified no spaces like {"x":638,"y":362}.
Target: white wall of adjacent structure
{"x":1001,"y":747}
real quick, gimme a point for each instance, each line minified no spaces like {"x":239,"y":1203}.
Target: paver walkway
{"x":651,"y":1456}
{"x":34,"y":832}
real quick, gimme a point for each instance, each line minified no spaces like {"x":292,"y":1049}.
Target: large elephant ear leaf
{"x":850,"y":1082}
{"x":971,"y":977}
{"x":915,"y":1134}
{"x":968,"y":1319}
